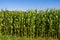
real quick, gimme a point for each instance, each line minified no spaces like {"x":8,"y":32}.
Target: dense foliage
{"x":31,"y":23}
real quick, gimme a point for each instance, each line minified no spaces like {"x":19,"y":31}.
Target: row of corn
{"x":30,"y":23}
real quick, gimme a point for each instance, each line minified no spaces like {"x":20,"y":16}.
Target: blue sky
{"x":29,"y":4}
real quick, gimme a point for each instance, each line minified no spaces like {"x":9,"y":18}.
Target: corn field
{"x":30,"y":23}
